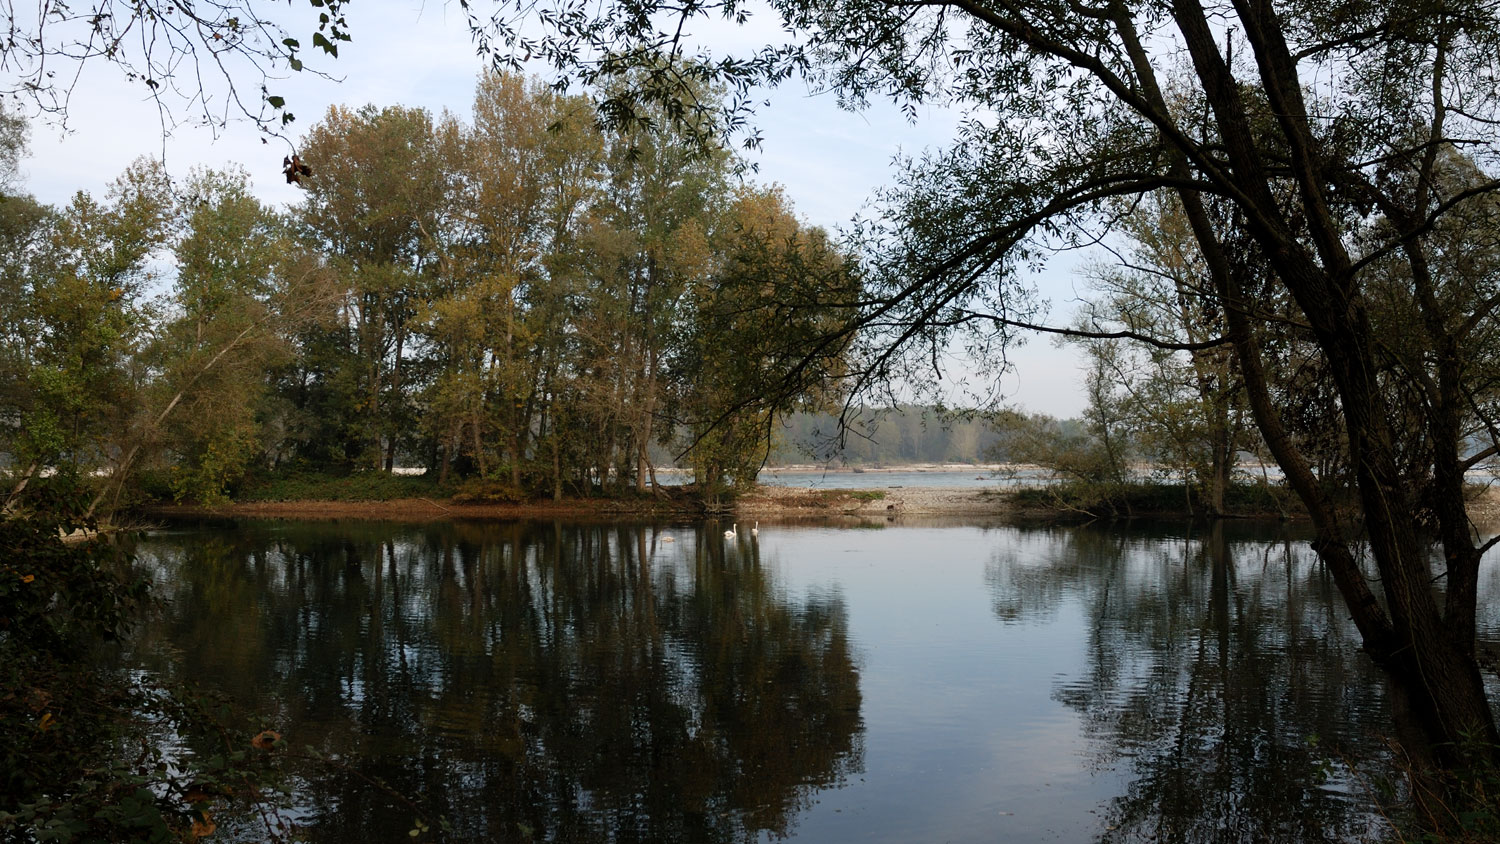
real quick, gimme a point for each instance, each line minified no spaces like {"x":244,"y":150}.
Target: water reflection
{"x":1221,"y":675}
{"x":582,"y":683}
{"x":534,"y":682}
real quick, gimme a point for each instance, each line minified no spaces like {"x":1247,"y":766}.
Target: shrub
{"x":489,"y":491}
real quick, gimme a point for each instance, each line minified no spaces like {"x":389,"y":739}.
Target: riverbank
{"x":766,"y":502}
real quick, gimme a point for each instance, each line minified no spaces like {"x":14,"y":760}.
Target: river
{"x":660,"y":683}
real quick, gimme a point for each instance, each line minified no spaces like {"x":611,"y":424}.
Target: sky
{"x":828,"y":161}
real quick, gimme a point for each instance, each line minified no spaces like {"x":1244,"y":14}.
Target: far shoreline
{"x":766,"y":502}
{"x":771,"y":503}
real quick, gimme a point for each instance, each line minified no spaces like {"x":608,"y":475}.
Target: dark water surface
{"x":591,"y":683}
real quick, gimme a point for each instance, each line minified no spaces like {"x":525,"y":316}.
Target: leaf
{"x":328,"y":47}
{"x":265,"y":740}
{"x":204,"y":827}
{"x":276,"y":102}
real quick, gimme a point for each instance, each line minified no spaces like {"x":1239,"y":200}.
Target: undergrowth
{"x":357,"y":486}
{"x":1153,"y":499}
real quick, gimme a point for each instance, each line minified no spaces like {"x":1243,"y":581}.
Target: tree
{"x":1185,"y":408}
{"x":379,"y":189}
{"x":78,"y":310}
{"x":662,"y":203}
{"x":243,"y":289}
{"x":1315,"y":153}
{"x":735,"y":376}
{"x":525,"y":174}
{"x":24,"y":228}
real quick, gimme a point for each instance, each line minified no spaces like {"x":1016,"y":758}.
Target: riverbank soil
{"x":766,"y":502}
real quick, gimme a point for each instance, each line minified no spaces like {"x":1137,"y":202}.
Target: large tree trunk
{"x":1428,"y":656}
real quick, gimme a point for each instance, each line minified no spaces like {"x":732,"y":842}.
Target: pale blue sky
{"x":829,"y":161}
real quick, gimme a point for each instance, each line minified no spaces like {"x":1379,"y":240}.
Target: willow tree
{"x":1312,"y":147}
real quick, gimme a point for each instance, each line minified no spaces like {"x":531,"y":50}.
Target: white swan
{"x":667,"y":537}
{"x":730,"y":534}
{"x":755,"y":531}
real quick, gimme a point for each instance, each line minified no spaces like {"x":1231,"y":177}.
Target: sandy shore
{"x":906,"y":501}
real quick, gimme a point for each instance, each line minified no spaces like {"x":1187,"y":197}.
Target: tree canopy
{"x":527,"y":303}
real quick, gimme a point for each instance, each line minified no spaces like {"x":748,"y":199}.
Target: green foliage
{"x":218,"y":467}
{"x":55,"y":597}
{"x":1463,"y":807}
{"x":75,"y":312}
{"x":1072,"y":450}
{"x":1147,"y":498}
{"x":489,"y":490}
{"x":357,"y":486}
{"x":1459,"y":805}
{"x":736,"y":375}
{"x":155,"y":485}
{"x":529,"y":295}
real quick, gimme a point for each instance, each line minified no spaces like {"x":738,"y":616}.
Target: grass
{"x":830,"y":496}
{"x":358,"y":486}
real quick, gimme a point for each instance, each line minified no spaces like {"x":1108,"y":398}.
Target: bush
{"x":154,"y":485}
{"x":1149,"y":499}
{"x":489,"y":491}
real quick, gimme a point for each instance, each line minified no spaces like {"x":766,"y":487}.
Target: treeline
{"x":896,"y":435}
{"x":524,"y":298}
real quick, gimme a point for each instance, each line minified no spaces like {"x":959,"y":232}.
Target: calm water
{"x":588,"y":683}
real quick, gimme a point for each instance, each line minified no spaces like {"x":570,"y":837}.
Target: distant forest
{"x":890,"y":436}
{"x":901,"y":435}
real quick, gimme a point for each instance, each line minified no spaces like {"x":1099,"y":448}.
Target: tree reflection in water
{"x":1220,"y":675}
{"x":527,"y":681}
